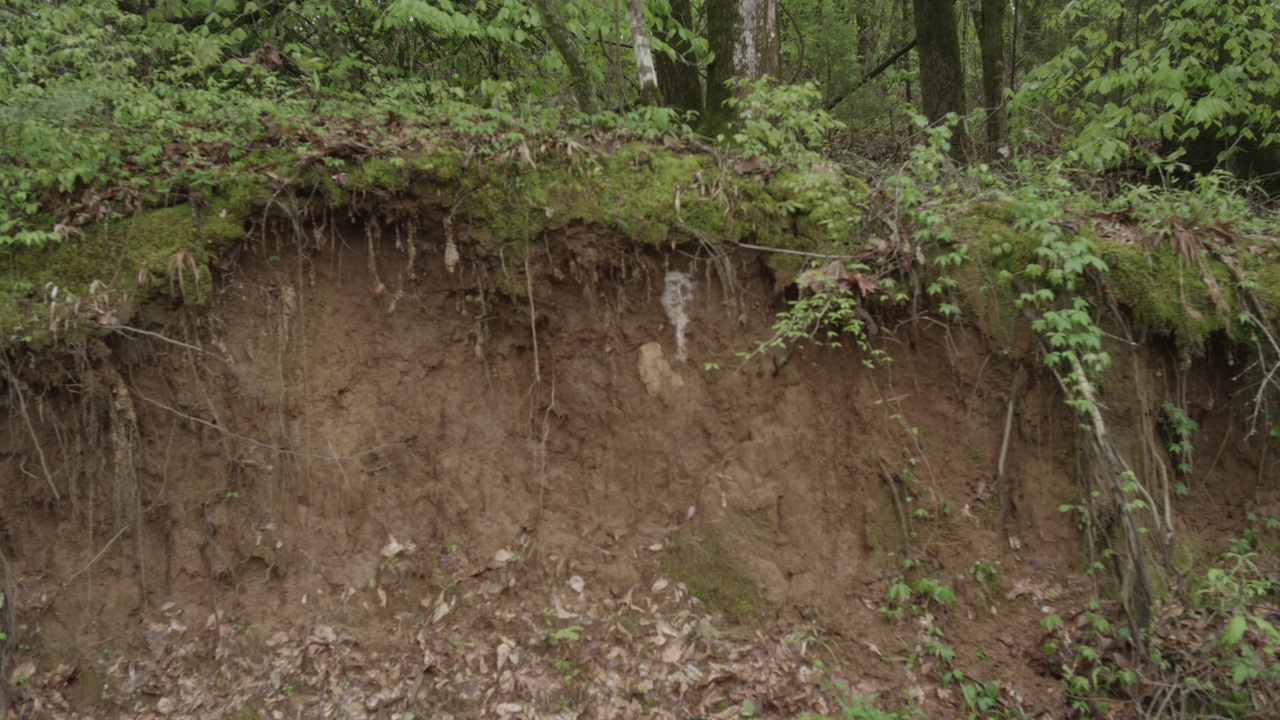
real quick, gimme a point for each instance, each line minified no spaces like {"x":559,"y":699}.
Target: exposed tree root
{"x":8,"y":623}
{"x":1268,"y":362}
{"x":1103,"y":464}
{"x":273,"y":448}
{"x":1002,"y":481}
{"x":535,"y":391}
{"x":125,"y":441}
{"x":165,"y":338}
{"x":48,"y":604}
{"x":15,"y":389}
{"x":724,"y":267}
{"x":888,"y":477}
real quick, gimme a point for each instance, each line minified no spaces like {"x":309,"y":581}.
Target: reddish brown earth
{"x":356,"y":484}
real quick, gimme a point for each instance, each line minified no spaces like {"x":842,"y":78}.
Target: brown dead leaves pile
{"x":501,"y":644}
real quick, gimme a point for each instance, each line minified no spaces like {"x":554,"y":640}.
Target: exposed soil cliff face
{"x":427,"y":451}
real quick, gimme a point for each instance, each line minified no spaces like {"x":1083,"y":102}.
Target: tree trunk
{"x":743,"y":34}
{"x":941,"y":73}
{"x":579,"y":74}
{"x":649,"y":93}
{"x":867,"y":41}
{"x":1013,"y":49}
{"x":906,"y":22}
{"x":991,"y":42}
{"x":678,"y":79}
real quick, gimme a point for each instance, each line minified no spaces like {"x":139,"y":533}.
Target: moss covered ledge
{"x":61,"y":291}
{"x":1159,"y":291}
{"x":652,"y":194}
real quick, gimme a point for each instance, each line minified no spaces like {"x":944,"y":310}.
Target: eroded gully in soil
{"x":360,"y":483}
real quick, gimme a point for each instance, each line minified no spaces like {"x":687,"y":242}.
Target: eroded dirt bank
{"x":360,"y":481}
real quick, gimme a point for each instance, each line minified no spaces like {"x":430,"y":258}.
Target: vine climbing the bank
{"x":1066,"y":320}
{"x":918,"y":187}
{"x":1065,"y":272}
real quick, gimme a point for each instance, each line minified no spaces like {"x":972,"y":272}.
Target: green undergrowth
{"x":110,"y":120}
{"x":1214,"y":656}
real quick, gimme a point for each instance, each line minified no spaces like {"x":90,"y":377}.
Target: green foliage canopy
{"x":1180,"y":72}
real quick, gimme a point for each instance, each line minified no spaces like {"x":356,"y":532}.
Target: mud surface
{"x":374,"y":478}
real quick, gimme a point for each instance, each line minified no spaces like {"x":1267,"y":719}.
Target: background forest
{"x":856,"y":125}
{"x":104,"y":94}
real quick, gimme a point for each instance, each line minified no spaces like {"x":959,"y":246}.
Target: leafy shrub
{"x":1194,"y":70}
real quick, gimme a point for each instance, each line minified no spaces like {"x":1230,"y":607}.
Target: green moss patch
{"x":1159,"y":291}
{"x":1165,"y":294}
{"x":711,"y":577}
{"x":52,"y":292}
